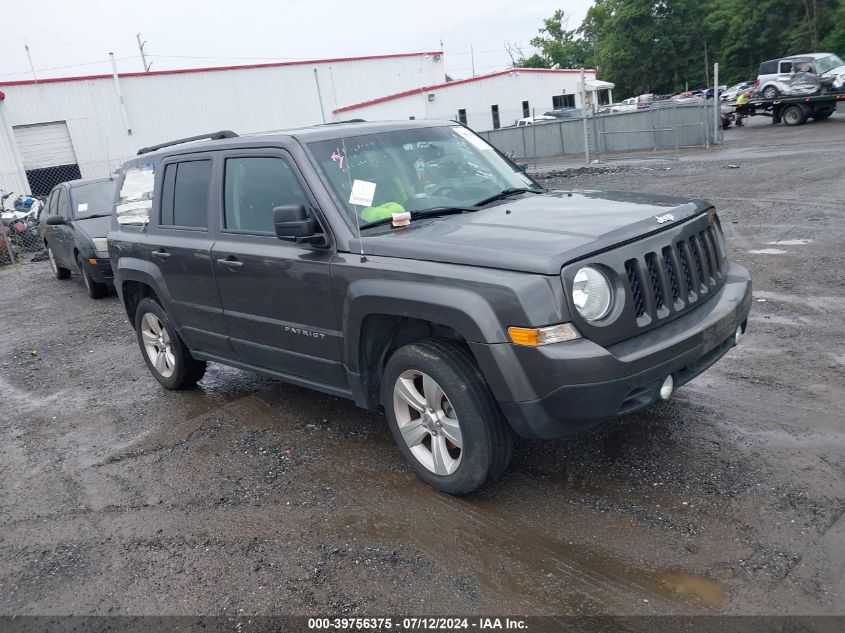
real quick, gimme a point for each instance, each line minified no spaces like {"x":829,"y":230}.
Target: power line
{"x":41,"y":70}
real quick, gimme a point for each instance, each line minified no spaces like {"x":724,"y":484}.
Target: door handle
{"x":230,"y":262}
{"x":162,"y":255}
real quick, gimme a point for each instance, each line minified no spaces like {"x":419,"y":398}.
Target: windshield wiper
{"x":507,"y":193}
{"x":96,"y":215}
{"x":424,"y":213}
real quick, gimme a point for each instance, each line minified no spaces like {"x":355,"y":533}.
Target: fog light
{"x":738,"y":335}
{"x":666,"y":388}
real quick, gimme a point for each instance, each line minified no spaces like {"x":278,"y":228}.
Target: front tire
{"x":444,"y":418}
{"x":166,"y":355}
{"x":59,"y":271}
{"x":96,"y":290}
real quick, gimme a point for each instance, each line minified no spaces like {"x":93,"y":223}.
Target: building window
{"x":494,"y":111}
{"x":563,"y":101}
{"x":462,"y":116}
{"x":526,"y":111}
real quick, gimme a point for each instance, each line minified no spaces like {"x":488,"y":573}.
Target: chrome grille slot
{"x":681,"y":249}
{"x":656,"y":285}
{"x":671,"y":273}
{"x":632,"y":269}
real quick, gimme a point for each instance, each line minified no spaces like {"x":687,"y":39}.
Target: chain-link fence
{"x":669,"y":127}
{"x":24,"y":207}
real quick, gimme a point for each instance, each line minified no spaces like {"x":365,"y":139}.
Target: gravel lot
{"x":248,"y":496}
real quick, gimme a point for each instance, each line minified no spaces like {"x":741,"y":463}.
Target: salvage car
{"x":76,"y":221}
{"x":800,"y":75}
{"x":412,"y":268}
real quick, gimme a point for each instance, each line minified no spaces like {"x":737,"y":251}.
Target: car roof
{"x":804,"y":55}
{"x":326,"y":131}
{"x":85,"y":181}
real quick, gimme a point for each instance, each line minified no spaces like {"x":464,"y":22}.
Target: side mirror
{"x":55,"y":220}
{"x":293,"y":224}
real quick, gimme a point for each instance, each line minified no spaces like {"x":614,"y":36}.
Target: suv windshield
{"x":96,"y":198}
{"x":827,"y":63}
{"x":415,"y":169}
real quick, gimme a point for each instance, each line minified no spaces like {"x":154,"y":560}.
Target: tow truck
{"x":790,"y":110}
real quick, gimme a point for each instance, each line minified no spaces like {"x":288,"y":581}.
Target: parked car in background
{"x":532,"y":120}
{"x":800,"y":75}
{"x":470,"y":304}
{"x":77,"y":218}
{"x":565,"y":113}
{"x":734,"y":91}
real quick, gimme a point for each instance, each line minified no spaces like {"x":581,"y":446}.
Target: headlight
{"x":591,"y":293}
{"x":101,"y":244}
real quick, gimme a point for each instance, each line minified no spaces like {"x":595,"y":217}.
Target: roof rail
{"x":213,"y":136}
{"x":346,"y":121}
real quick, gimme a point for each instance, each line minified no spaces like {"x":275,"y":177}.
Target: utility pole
{"x":472,"y":58}
{"x":29,"y":57}
{"x":143,"y":56}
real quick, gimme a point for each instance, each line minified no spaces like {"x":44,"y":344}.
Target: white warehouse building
{"x":488,"y":101}
{"x":54,"y":130}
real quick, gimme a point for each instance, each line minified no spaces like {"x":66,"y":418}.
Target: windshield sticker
{"x":363,"y":193}
{"x":338,"y":158}
{"x":475,"y":141}
{"x":82,"y":207}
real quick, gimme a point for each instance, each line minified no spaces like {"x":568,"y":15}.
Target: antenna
{"x":348,"y":167}
{"x":29,"y":57}
{"x":141,"y":46}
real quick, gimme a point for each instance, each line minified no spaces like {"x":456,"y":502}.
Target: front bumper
{"x":101,"y":271}
{"x":573,"y":386}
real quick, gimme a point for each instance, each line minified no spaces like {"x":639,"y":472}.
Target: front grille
{"x":669,"y":280}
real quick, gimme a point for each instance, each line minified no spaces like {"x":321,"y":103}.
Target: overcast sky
{"x":189,"y":33}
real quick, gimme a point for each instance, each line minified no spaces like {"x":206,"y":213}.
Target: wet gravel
{"x":248,"y":496}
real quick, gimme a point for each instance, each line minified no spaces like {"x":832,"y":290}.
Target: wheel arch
{"x":137,"y":279}
{"x":385,"y":315}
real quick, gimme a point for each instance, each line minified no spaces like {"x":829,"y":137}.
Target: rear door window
{"x":184,"y":194}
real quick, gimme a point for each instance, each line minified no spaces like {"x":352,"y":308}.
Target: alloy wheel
{"x":427,"y":422}
{"x":157,"y":344}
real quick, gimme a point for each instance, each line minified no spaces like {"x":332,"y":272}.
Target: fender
{"x":145,"y":272}
{"x":465,"y":311}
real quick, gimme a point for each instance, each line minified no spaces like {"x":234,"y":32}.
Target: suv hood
{"x":537,"y":233}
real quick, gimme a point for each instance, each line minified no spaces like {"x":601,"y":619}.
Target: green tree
{"x":557,"y":45}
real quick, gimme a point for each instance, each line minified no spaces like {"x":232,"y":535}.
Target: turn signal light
{"x":533,"y":337}
{"x":92,"y":261}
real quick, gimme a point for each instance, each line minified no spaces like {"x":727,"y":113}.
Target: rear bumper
{"x":579,"y":384}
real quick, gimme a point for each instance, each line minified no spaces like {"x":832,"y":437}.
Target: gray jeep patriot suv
{"x":410,"y":266}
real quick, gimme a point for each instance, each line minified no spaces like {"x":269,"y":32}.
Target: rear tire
{"x":59,"y":271}
{"x":96,"y":290}
{"x":434,"y":393}
{"x":793,"y":115}
{"x":166,"y":355}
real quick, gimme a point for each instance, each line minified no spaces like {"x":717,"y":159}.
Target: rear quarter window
{"x":769,"y":67}
{"x":136,"y":195}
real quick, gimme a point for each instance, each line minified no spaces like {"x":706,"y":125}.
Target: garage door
{"x":44,"y":145}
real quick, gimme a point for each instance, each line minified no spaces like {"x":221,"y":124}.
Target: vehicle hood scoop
{"x":533,"y":233}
